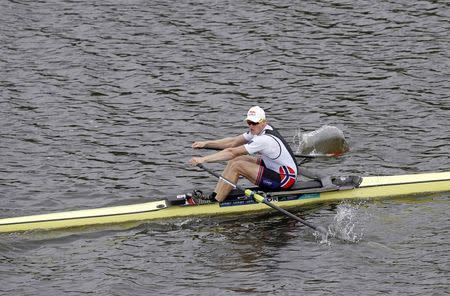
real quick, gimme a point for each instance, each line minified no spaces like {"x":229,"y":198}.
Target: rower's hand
{"x":199,"y":145}
{"x":197,"y":160}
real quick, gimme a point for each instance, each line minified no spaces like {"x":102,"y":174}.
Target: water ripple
{"x":100,"y":102}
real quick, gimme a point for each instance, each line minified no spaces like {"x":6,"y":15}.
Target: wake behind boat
{"x":305,"y":193}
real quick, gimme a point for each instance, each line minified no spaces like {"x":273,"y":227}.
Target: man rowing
{"x":261,"y":155}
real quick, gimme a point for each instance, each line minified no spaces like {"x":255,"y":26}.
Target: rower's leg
{"x":245,"y":166}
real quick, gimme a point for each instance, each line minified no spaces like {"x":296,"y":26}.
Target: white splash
{"x":348,"y":222}
{"x":324,"y":237}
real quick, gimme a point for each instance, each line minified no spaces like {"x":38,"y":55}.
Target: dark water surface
{"x":100,"y":102}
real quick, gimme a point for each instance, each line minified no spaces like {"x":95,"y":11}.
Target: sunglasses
{"x":252,"y":123}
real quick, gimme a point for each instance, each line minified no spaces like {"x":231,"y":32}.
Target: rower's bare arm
{"x":221,"y":143}
{"x":226,"y":154}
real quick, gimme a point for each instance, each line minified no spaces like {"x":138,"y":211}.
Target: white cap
{"x":256,"y":114}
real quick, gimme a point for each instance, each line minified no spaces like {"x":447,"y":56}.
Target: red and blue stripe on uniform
{"x":287,"y":176}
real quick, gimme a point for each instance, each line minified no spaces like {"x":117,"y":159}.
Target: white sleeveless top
{"x":271,"y":149}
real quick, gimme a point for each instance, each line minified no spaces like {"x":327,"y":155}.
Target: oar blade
{"x":327,"y":141}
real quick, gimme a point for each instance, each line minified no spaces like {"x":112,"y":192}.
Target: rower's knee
{"x":241,"y":158}
{"x":237,"y":164}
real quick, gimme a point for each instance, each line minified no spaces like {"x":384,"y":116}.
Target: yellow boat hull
{"x":370,"y":188}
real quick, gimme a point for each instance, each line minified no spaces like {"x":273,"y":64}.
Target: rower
{"x":261,"y":155}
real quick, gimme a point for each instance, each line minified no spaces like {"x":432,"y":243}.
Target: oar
{"x":259,"y":198}
{"x":321,"y":155}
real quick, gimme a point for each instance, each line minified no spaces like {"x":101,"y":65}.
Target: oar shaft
{"x":259,"y":198}
{"x":235,"y":186}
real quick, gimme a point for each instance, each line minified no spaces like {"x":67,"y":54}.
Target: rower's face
{"x":255,"y":128}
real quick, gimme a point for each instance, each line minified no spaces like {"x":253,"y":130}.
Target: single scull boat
{"x":306,"y":193}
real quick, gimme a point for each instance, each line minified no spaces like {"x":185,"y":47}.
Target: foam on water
{"x":348,"y":224}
